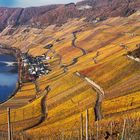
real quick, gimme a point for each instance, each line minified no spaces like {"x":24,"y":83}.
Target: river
{"x":8,"y":77}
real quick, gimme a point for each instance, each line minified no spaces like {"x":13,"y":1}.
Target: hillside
{"x":95,"y":70}
{"x":59,"y":14}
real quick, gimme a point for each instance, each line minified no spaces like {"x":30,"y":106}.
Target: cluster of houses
{"x":36,"y":66}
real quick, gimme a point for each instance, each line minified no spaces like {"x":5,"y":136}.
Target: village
{"x":34,"y":67}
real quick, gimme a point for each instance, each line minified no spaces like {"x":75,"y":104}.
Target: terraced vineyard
{"x":32,"y":113}
{"x":105,"y":62}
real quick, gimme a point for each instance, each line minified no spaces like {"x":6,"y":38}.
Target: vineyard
{"x":68,"y":110}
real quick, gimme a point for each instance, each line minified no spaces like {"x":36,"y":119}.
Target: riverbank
{"x":15,"y":53}
{"x":5,"y":49}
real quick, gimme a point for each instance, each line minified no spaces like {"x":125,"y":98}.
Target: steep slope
{"x":21,"y":16}
{"x":106,"y":63}
{"x":101,"y":52}
{"x":59,"y":14}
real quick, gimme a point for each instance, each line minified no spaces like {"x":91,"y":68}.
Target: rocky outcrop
{"x":59,"y":14}
{"x":22,"y":16}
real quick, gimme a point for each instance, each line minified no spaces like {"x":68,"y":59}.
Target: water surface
{"x":8,"y":77}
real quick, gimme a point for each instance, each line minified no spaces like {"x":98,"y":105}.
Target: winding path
{"x":43,"y":116}
{"x":100,"y":95}
{"x":43,"y":111}
{"x":75,"y":60}
{"x":33,"y":122}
